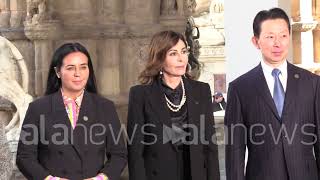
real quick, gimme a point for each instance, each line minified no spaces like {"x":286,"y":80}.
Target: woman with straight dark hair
{"x":170,"y":120}
{"x":69,"y":133}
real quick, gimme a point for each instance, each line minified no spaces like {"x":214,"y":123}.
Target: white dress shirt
{"x":283,"y":76}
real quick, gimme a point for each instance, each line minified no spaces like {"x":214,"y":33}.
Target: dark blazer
{"x":278,"y":148}
{"x":48,"y":145}
{"x":155,"y":159}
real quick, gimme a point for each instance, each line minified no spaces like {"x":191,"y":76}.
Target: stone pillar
{"x":43,"y":36}
{"x":296,"y":41}
{"x":316,"y":44}
{"x":316,"y":9}
{"x":4,"y":13}
{"x":18,"y":12}
{"x":43,"y":54}
{"x":133,"y":58}
{"x":108,"y":52}
{"x":295,"y":10}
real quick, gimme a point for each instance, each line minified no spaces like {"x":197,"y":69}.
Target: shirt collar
{"x":78,"y":99}
{"x":268,"y":69}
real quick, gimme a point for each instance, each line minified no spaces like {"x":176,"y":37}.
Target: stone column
{"x":316,"y":31}
{"x":43,"y":36}
{"x":316,"y":44}
{"x":108,"y":52}
{"x":18,"y":12}
{"x":4,"y":13}
{"x":43,"y":54}
{"x":316,"y":9}
{"x":133,"y":58}
{"x":296,"y":42}
{"x":295,"y":10}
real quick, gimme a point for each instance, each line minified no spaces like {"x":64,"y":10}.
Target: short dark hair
{"x":274,"y":13}
{"x":54,"y":83}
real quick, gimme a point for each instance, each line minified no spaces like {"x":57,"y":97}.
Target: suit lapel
{"x":86,"y":118}
{"x":158,"y":104}
{"x":192,"y":102}
{"x":291,"y":90}
{"x":263,"y":90}
{"x":59,"y":114}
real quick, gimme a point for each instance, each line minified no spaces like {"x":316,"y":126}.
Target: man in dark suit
{"x":273,"y":111}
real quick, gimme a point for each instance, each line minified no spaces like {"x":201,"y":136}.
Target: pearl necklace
{"x":173,"y":107}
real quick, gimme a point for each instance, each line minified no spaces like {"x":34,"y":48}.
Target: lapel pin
{"x":296,"y":76}
{"x":196,"y":102}
{"x":85,"y":118}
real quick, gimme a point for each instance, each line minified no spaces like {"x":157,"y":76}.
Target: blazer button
{"x":154,"y":172}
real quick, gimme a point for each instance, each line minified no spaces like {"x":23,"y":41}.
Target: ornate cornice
{"x":304,"y":26}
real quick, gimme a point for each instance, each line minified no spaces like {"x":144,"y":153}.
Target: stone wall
{"x":115,"y":32}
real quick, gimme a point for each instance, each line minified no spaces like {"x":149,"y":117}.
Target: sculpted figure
{"x":14,"y":84}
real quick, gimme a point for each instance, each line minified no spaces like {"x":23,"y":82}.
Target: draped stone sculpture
{"x":14,"y":86}
{"x":37,"y":11}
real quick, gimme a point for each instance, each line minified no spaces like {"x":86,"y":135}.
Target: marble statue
{"x":14,"y":85}
{"x":37,"y":11}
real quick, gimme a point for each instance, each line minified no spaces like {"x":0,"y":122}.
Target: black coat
{"x":273,"y":154}
{"x":48,"y":145}
{"x":157,"y":160}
